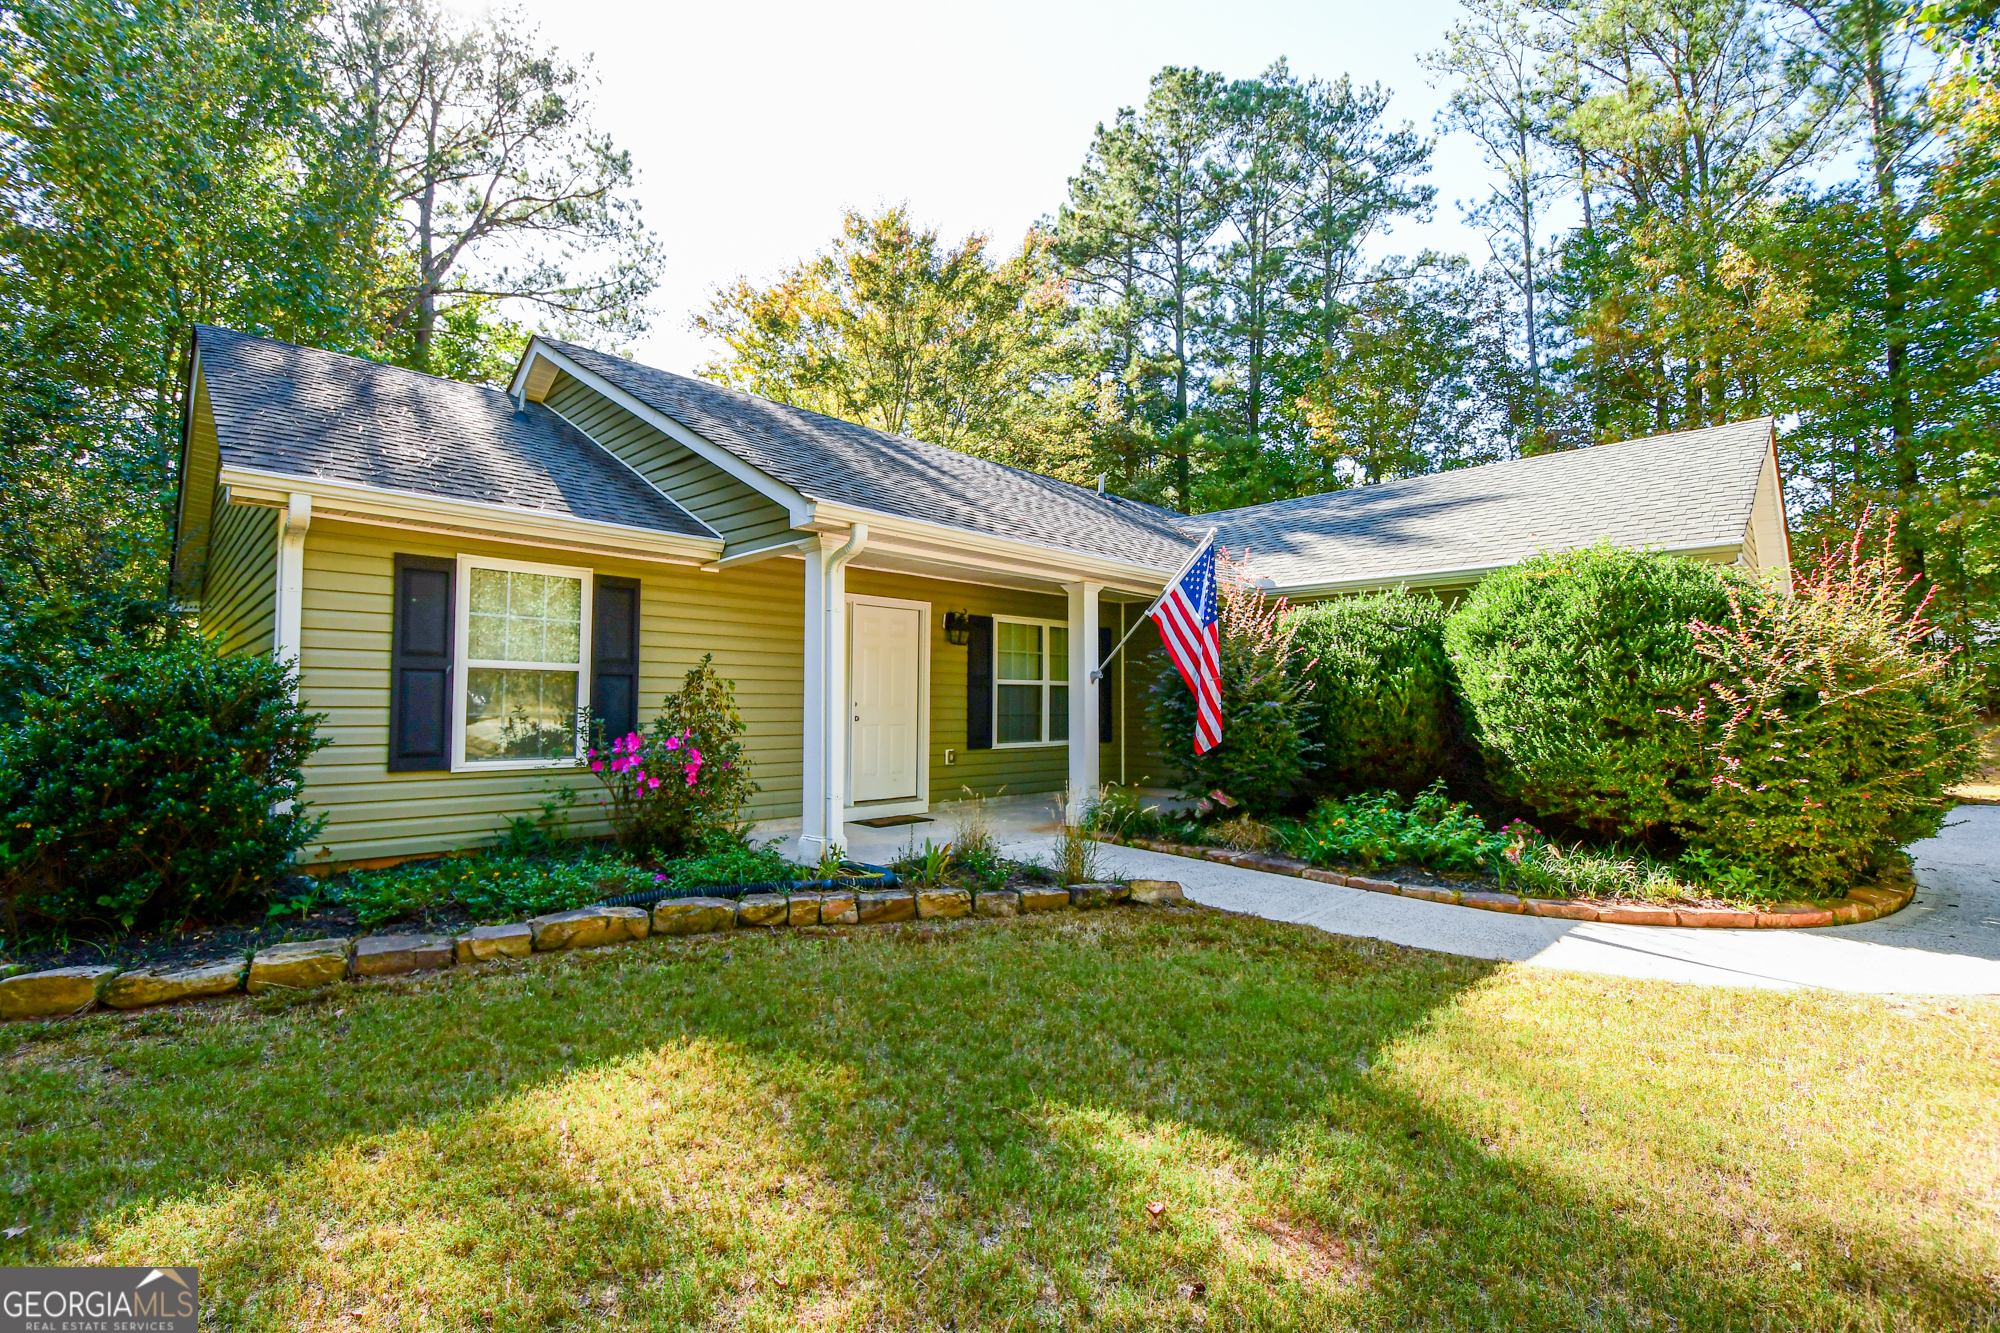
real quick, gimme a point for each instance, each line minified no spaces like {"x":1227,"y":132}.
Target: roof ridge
{"x":354,"y":357}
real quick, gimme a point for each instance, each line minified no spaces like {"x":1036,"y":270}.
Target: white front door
{"x":885,"y":670}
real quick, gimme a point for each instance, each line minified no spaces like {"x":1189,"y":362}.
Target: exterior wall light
{"x":957,"y":628}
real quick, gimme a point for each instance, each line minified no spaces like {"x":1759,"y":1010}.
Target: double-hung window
{"x":523,"y":639}
{"x":1030,"y":682}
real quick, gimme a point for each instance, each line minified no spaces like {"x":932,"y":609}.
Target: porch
{"x":930,"y":675}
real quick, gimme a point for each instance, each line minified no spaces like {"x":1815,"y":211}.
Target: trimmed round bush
{"x":155,"y":784}
{"x":1567,"y":664}
{"x":1381,"y":690}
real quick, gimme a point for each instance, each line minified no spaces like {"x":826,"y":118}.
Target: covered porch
{"x":933,"y":672}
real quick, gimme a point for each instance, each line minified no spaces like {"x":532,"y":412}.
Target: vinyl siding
{"x":1765,"y":547}
{"x":1142,"y":661}
{"x":731,"y":507}
{"x":198,"y":496}
{"x":239,"y":601}
{"x":749,"y":618}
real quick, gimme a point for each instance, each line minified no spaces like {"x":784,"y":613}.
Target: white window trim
{"x":1045,"y":682}
{"x":462,"y":670}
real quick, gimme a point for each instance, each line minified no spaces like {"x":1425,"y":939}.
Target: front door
{"x":885,"y":669}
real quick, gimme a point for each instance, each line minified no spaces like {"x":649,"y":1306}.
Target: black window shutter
{"x":614,"y":658}
{"x":979,"y":685}
{"x":420,"y":659}
{"x":1106,"y":637}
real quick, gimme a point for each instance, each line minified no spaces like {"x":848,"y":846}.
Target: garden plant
{"x":683,"y":782}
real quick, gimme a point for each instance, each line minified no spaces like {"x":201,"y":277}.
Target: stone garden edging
{"x":300,"y":965}
{"x":1861,"y":904}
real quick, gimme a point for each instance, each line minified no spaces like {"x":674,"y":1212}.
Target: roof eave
{"x":416,"y":511}
{"x":1013,"y":554}
{"x":1453,"y":576}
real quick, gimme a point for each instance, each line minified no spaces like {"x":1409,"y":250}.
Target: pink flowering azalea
{"x":673,"y":743}
{"x":596,"y":765}
{"x":653,"y":783}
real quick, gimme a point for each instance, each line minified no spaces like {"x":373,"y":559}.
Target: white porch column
{"x":827,"y":704}
{"x":812,"y":793}
{"x":288,"y":643}
{"x":1083,"y":744}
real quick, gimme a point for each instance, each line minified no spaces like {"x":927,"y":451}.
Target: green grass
{"x":961,"y":1126}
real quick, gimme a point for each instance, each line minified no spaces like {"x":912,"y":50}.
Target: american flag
{"x":1190,"y":625}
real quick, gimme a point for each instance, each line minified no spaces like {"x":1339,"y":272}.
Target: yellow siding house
{"x":467,"y":577}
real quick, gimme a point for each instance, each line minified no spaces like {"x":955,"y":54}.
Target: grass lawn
{"x":963,"y":1125}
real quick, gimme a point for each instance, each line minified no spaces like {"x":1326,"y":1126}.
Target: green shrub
{"x":1565,"y":664}
{"x":156,"y":784}
{"x":1377,"y":829}
{"x":1831,"y":730}
{"x":1266,"y":747}
{"x":686,"y":779}
{"x":1381,"y":690}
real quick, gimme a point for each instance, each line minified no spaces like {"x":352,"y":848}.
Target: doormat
{"x":891,"y":821}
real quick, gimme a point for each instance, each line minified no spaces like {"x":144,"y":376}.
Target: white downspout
{"x":833,"y":672}
{"x":289,"y":639}
{"x":288,"y":616}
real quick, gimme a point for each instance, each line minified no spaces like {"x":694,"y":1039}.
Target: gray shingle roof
{"x":303,"y":412}
{"x":828,"y":459}
{"x":1682,"y":491}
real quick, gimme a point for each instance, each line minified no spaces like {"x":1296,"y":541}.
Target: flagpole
{"x":1097,"y":672}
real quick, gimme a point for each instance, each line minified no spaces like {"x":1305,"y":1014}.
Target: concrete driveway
{"x":1946,"y":942}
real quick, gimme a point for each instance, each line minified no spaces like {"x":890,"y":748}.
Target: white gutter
{"x":1457,"y":573}
{"x":380,"y":506}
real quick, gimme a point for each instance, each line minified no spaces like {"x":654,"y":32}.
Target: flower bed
{"x":1868,"y":903}
{"x":302,"y":965}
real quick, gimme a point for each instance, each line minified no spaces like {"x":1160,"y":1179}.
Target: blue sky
{"x":755,"y":124}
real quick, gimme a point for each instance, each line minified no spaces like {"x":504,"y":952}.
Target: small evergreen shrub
{"x":1566,"y":665}
{"x":683,"y":783}
{"x":157,"y":783}
{"x":1266,"y":748}
{"x":1831,"y":729}
{"x":1381,"y":690}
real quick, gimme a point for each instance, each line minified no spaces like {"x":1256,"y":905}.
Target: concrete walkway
{"x":1946,"y":942}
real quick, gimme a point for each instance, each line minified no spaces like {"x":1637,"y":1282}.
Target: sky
{"x":755,"y":125}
